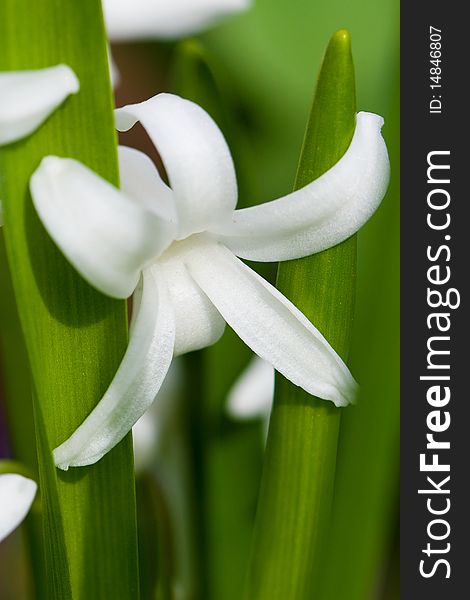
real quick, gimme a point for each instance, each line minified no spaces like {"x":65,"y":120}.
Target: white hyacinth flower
{"x":252,"y":394}
{"x":16,"y":496}
{"x":179,"y":246}
{"x":27,"y":98}
{"x":160,"y":19}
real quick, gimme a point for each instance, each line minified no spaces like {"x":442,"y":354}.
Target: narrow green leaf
{"x":297,"y":484}
{"x":75,"y":336}
{"x":364,"y":517}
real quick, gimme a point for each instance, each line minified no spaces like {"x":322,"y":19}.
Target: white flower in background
{"x":151,"y":432}
{"x":16,"y":496}
{"x":251,"y":395}
{"x":180,"y":247}
{"x":114,"y":73}
{"x":163,"y":19}
{"x":27,"y":98}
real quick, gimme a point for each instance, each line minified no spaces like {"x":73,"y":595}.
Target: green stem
{"x":75,"y":336}
{"x":298,"y":476}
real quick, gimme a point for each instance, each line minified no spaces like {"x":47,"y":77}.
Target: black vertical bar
{"x":435,"y":350}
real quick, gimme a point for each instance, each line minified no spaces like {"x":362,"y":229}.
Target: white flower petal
{"x":149,"y":19}
{"x":16,"y":496}
{"x":321,"y":214}
{"x":141,"y":181}
{"x":195,"y":155}
{"x":198,"y":322}
{"x":136,"y":382}
{"x":271,"y":325}
{"x":107,"y":237}
{"x":252,"y":393}
{"x":27,"y":98}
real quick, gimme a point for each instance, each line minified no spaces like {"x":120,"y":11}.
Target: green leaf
{"x":365,"y":509}
{"x":75,"y":336}
{"x":297,"y":483}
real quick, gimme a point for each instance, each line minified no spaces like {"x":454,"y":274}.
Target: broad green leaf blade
{"x":75,"y":336}
{"x":297,"y":484}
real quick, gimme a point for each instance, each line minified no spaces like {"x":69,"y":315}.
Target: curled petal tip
{"x":58,"y":464}
{"x":196,"y":158}
{"x":342,"y":397}
{"x":374,"y":120}
{"x":58,"y":461}
{"x":123,"y":120}
{"x":70,"y":79}
{"x":321,"y":214}
{"x":63,"y":459}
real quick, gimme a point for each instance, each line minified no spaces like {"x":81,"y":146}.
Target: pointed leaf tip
{"x":339,"y":52}
{"x":341,"y":37}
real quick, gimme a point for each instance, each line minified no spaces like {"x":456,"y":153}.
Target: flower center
{"x":178,"y":248}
